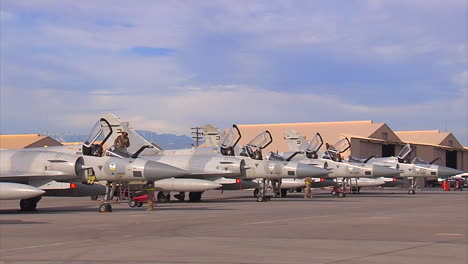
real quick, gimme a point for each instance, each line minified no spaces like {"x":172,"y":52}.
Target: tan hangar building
{"x":369,"y":138}
{"x":26,"y":141}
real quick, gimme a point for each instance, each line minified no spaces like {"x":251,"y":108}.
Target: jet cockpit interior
{"x":315,"y":144}
{"x":254,"y":148}
{"x":334,"y":151}
{"x":94,"y":144}
{"x":403,"y":156}
{"x":229,"y":141}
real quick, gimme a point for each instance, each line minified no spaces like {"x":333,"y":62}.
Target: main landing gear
{"x":29,"y":204}
{"x":105,"y":206}
{"x":163,"y":197}
{"x":412,"y":188}
{"x":262,"y":188}
{"x":195,"y":196}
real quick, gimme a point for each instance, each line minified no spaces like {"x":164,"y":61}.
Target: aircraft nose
{"x":305,"y":170}
{"x":383,"y":171}
{"x":443,"y":171}
{"x":156,"y":170}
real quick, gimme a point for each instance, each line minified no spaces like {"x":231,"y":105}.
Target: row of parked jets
{"x":74,"y":170}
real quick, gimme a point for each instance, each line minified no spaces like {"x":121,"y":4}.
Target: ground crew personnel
{"x":150,"y":195}
{"x":122,"y":142}
{"x":308,"y":185}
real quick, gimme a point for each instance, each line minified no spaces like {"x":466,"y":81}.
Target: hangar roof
{"x":26,"y":141}
{"x":430,"y":137}
{"x":331,"y":132}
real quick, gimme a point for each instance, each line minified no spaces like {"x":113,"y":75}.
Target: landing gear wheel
{"x":255,"y":193}
{"x":29,"y":204}
{"x":132,"y":203}
{"x":195,"y":196}
{"x":341,"y":195}
{"x":284,"y":193}
{"x":105,"y":208}
{"x":180,"y":196}
{"x":411,"y":192}
{"x":163,"y":198}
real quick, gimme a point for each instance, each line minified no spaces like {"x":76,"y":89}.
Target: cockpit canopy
{"x":334,"y":152}
{"x":261,"y":141}
{"x":405,"y":152}
{"x":253,"y":149}
{"x":229,"y":141}
{"x":342,"y":145}
{"x":420,"y":161}
{"x":101,"y":132}
{"x":315,"y":144}
{"x":94,"y":144}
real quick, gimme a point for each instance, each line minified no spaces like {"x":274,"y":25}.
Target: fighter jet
{"x":306,"y":152}
{"x":416,"y":169}
{"x":212,"y":166}
{"x":27,"y":174}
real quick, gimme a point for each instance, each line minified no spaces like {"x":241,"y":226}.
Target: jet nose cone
{"x":382,"y":171}
{"x":155,"y":170}
{"x":443,"y":171}
{"x":305,"y":170}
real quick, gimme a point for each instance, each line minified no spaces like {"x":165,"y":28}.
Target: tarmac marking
{"x":286,"y":220}
{"x":46,"y":245}
{"x":447,"y":234}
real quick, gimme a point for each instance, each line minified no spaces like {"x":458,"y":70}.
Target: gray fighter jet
{"x":27,"y":174}
{"x":216,"y":164}
{"x":418,"y":168}
{"x":306,"y":152}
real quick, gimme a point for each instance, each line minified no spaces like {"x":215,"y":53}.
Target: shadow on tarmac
{"x":19,"y":222}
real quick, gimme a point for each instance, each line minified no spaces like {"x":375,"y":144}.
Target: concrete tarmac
{"x":377,"y":226}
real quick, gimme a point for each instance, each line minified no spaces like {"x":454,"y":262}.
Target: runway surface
{"x":378,"y":226}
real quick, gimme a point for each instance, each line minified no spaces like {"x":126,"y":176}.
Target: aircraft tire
{"x":255,"y":192}
{"x":195,"y":196}
{"x":29,"y":204}
{"x":284,"y":193}
{"x":105,"y":208}
{"x":163,"y":198}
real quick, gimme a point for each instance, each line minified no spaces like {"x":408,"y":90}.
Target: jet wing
{"x":27,"y":174}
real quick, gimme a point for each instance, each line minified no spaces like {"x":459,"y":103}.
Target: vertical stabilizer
{"x":136,"y":141}
{"x":296,"y":141}
{"x":212,"y":135}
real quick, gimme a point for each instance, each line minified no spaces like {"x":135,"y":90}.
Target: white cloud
{"x":461,"y":79}
{"x":79,"y":45}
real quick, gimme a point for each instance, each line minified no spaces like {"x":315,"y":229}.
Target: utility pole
{"x":197,"y":135}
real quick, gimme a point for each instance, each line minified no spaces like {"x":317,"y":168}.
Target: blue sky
{"x":169,"y":65}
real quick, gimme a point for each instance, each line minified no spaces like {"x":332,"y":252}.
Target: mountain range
{"x":166,"y":141}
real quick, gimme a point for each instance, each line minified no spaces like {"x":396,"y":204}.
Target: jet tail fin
{"x":136,"y":141}
{"x":296,"y":141}
{"x":212,"y":135}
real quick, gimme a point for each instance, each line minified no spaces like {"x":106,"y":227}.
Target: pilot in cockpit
{"x":122,"y":142}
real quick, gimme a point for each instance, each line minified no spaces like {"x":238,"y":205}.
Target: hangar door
{"x":451,"y":159}
{"x":388,"y":150}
